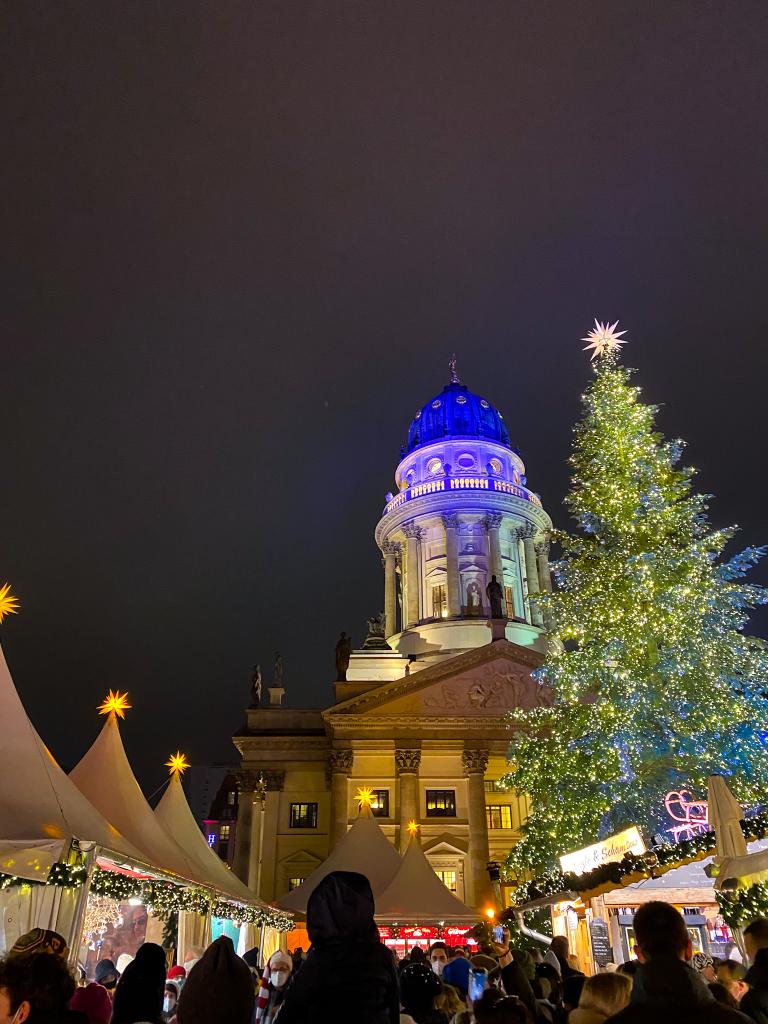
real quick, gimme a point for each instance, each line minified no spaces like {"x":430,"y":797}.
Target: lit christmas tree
{"x":655,"y":684}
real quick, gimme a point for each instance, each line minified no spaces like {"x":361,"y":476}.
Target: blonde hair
{"x":448,"y":1000}
{"x":606,"y":993}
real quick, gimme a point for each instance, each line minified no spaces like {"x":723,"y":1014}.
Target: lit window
{"x":224,"y":831}
{"x":448,"y":878}
{"x":294,"y":883}
{"x":499,"y":816}
{"x":439,"y":607}
{"x":380,"y":803}
{"x":231,"y":798}
{"x":211,"y":838}
{"x":509,"y":600}
{"x":434,"y":466}
{"x":303,"y":816}
{"x":441,"y":803}
{"x":496,"y":465}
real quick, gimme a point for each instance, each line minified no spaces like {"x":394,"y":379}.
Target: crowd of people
{"x":349,"y":976}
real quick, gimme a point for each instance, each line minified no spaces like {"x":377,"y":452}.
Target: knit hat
{"x":418,"y":987}
{"x":701,"y":960}
{"x":177,"y":973}
{"x":456,"y":973}
{"x":94,"y":1002}
{"x":122,"y":962}
{"x":40,"y":940}
{"x":106,"y":973}
{"x":218,"y":990}
{"x":275,"y":962}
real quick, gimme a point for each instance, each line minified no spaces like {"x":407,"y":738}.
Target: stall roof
{"x":417,"y":895}
{"x":41,"y":808}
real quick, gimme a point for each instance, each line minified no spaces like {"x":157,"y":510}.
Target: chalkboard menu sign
{"x":601,"y":943}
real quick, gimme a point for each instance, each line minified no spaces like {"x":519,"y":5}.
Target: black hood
{"x":757,"y":979}
{"x":341,"y":909}
{"x":667,"y":982}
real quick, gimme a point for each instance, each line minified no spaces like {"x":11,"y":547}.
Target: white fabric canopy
{"x":106,"y":778}
{"x":41,"y":809}
{"x":743,"y":872}
{"x":417,"y":895}
{"x":364,"y":848}
{"x":725,"y":814}
{"x":177,"y":819}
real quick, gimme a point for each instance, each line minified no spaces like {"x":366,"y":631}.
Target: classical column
{"x":474,"y":763}
{"x":391,"y":550}
{"x":527,"y":532}
{"x":542,"y":555}
{"x":453,"y":582}
{"x":492,"y":523}
{"x":274,"y":781}
{"x":407,"y":763}
{"x":247,"y":784}
{"x":412,"y":533}
{"x":339,"y":769}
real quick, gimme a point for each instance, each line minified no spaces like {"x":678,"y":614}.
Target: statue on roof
{"x":343,"y":654}
{"x":277,"y":674}
{"x":452,"y":368}
{"x":256,"y":686}
{"x":376,"y":638}
{"x":495,"y":597}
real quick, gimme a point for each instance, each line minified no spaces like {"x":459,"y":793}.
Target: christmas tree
{"x":655,"y":685}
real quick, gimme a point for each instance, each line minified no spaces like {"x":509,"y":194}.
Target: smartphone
{"x":498,"y":933}
{"x":478,"y":982}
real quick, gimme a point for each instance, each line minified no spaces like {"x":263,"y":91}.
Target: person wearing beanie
{"x":170,"y":1002}
{"x":178,"y":976}
{"x":349,"y":976}
{"x":122,"y":962}
{"x":94,"y":1002}
{"x":106,"y":975}
{"x":218,"y":989}
{"x":456,"y":973}
{"x":273,"y":986}
{"x":139,"y":993}
{"x":419,"y":985}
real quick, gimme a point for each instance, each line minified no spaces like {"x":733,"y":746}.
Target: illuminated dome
{"x":456,"y":412}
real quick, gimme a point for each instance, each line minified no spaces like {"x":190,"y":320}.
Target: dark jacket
{"x":348,"y":976}
{"x":516,"y":984}
{"x":667,"y":991}
{"x":755,"y":1002}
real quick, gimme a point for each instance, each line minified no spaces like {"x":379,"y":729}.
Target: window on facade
{"x":224,"y":831}
{"x":509,"y":600}
{"x":491,"y":786}
{"x":499,"y":816}
{"x":231,"y":798}
{"x":441,"y":803}
{"x":439,"y":606}
{"x":294,"y":883}
{"x":303,"y":816}
{"x":224,"y":850}
{"x":448,"y":878}
{"x":380,"y":803}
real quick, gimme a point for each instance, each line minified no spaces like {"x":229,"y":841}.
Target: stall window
{"x":303,"y":815}
{"x":441,"y":803}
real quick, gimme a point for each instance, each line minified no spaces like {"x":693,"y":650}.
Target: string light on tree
{"x":9,"y":603}
{"x":115,"y":703}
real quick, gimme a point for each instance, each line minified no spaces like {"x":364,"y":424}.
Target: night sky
{"x":241,"y":241}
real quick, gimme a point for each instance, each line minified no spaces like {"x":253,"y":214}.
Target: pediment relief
{"x":302,"y":858}
{"x":446,"y":844}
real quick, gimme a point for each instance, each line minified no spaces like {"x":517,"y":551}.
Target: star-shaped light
{"x":604,"y":339}
{"x":115,"y":702}
{"x":177,"y":763}
{"x":364,"y":797}
{"x":413,"y":827}
{"x":9,"y":604}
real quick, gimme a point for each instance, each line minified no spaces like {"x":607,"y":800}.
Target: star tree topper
{"x":604,"y":339}
{"x":115,"y":703}
{"x":177,"y":763}
{"x":9,"y":604}
{"x":364,"y":797}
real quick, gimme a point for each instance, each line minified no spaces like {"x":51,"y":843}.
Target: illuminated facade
{"x":421,"y":724}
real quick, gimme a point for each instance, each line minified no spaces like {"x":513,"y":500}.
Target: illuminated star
{"x":413,"y":827}
{"x":604,"y":339}
{"x":9,"y":604}
{"x":364,"y":797}
{"x":117,"y":702}
{"x":178,"y":763}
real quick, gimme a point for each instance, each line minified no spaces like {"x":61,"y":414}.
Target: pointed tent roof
{"x":41,"y":808}
{"x":364,"y":848}
{"x":417,"y":894}
{"x":105,"y":776}
{"x":177,"y":820}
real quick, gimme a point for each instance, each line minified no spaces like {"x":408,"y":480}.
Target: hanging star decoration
{"x":177,"y":763}
{"x":413,"y":827}
{"x":115,"y":702}
{"x":604,"y":339}
{"x":364,"y":797}
{"x":9,"y":604}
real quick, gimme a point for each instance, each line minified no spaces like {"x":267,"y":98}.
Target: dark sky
{"x":241,"y":240}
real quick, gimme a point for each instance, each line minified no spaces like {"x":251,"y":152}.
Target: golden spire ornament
{"x":604,"y":339}
{"x":9,"y":603}
{"x":115,"y":702}
{"x":177,"y":763}
{"x":364,"y":797}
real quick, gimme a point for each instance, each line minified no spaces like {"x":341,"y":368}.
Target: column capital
{"x":473,"y":761}
{"x":542,"y":546}
{"x":493,"y":520}
{"x":390,"y":547}
{"x":413,"y":531}
{"x":340,"y":761}
{"x":407,"y":761}
{"x":450,"y":520}
{"x":274,"y":780}
{"x":526,"y":531}
{"x":248,"y":780}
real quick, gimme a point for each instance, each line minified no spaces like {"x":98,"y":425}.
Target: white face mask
{"x":279,"y":978}
{"x":168,"y":1004}
{"x":437,"y":967}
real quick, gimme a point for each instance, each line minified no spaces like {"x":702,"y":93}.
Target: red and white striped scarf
{"x":268,"y":999}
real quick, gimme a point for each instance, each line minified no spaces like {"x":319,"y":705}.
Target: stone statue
{"x":377,"y":625}
{"x":343,"y":654}
{"x":377,"y":629}
{"x":495,"y":597}
{"x":256,"y":686}
{"x":277,"y":676}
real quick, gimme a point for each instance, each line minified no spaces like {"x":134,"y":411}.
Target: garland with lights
{"x":649,"y":683}
{"x":745,"y":905}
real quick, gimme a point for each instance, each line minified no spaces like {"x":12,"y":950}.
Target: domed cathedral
{"x":417,"y":712}
{"x":461,"y":516}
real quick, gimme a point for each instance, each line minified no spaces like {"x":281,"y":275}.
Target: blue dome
{"x":456,"y":412}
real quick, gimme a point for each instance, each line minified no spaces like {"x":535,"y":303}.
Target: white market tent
{"x":41,"y":808}
{"x":364,"y":848}
{"x":417,"y":895}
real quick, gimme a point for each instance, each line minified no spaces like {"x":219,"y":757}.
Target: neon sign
{"x":691,"y":815}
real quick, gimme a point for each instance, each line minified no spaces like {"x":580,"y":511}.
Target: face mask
{"x":279,"y":978}
{"x":437,"y":967}
{"x":168,"y":1004}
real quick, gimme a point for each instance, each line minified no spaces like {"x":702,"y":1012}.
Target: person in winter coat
{"x":36,"y":988}
{"x":139,"y":993}
{"x":755,"y":1002}
{"x":218,"y":989}
{"x":106,"y":975}
{"x":348,"y":976}
{"x":419,"y":986}
{"x":601,"y":996}
{"x":273,"y":986}
{"x":666,"y":988}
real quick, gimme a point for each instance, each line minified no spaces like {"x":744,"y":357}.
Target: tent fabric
{"x":364,"y":848}
{"x":106,"y":778}
{"x":725,"y":814}
{"x":176,"y":818}
{"x":41,"y":809}
{"x":744,"y":871}
{"x":416,"y":894}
